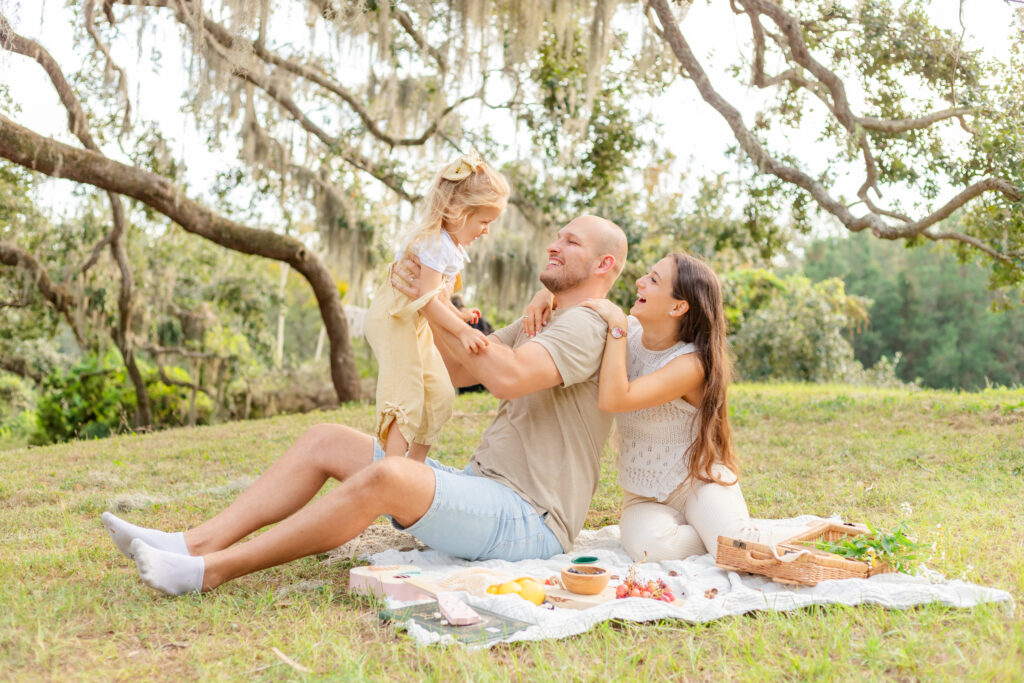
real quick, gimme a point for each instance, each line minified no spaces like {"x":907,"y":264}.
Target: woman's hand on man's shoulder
{"x":611,"y":313}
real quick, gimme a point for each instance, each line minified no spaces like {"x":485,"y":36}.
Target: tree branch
{"x":77,"y":121}
{"x":21,"y":368}
{"x":220,"y":40}
{"x":946,"y":210}
{"x":63,"y":301}
{"x":406,"y":22}
{"x":122,"y":77}
{"x":903,"y":125}
{"x":761,"y":80}
{"x":840,"y":105}
{"x":162,"y":371}
{"x":45,"y":155}
{"x":748,"y":143}
{"x":765,"y":163}
{"x":232,"y":42}
{"x":183,"y":352}
{"x":353,"y":157}
{"x":330,"y":12}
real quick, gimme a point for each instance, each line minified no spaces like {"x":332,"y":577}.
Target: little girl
{"x":414,"y":393}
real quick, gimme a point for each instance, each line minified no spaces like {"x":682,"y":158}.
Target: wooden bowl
{"x":585,"y":579}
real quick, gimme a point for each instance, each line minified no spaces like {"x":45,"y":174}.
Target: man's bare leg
{"x":324,"y":451}
{"x":395,"y":486}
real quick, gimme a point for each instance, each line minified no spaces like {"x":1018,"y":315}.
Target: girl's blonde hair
{"x":448,"y":203}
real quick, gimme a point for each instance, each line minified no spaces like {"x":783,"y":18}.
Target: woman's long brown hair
{"x":703,"y":325}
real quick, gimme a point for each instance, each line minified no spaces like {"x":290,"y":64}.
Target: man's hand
{"x":473,"y":340}
{"x":405,"y":275}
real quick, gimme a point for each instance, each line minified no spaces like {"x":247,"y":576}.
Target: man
{"x":525,"y":493}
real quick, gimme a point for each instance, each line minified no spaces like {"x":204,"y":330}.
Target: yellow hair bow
{"x":462,"y":167}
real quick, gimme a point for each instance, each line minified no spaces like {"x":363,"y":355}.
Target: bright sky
{"x":690,"y":128}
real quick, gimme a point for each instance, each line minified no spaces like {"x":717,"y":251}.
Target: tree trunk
{"x":143,"y":408}
{"x":282,"y":310}
{"x":21,"y":368}
{"x":45,"y":155}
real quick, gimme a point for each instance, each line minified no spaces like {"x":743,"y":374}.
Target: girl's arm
{"x":538,"y":312}
{"x":441,"y":312}
{"x":616,"y":394}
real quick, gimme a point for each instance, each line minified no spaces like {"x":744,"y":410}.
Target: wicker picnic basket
{"x":794,"y":560}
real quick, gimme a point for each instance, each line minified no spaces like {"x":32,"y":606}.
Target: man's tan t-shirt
{"x":546,"y":446}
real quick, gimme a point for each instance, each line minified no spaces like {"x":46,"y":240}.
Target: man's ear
{"x":606,"y":264}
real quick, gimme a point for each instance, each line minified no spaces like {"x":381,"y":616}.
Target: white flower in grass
{"x":906,"y":509}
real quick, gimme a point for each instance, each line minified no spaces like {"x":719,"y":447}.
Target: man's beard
{"x":564,"y":280}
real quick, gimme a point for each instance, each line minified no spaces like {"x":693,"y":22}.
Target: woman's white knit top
{"x":652,"y":443}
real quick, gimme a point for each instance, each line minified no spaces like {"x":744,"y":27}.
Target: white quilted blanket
{"x":695,"y":577}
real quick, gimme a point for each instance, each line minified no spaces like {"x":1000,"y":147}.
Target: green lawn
{"x":73,"y":608}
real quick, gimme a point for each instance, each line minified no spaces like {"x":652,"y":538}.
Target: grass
{"x":73,"y":608}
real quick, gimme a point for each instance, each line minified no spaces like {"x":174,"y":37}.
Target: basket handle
{"x":758,"y":563}
{"x":776,"y":557}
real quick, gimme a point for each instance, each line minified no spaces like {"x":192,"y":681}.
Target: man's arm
{"x":507,"y":373}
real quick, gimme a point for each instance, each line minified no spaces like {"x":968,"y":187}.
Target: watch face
{"x":617,"y":332}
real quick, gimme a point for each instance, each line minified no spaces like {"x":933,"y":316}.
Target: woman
{"x":665,"y":372}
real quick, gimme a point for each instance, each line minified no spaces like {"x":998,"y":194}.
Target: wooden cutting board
{"x":388,"y":580}
{"x":559,"y":597}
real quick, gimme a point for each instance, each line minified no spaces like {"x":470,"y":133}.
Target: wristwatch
{"x":617,"y":332}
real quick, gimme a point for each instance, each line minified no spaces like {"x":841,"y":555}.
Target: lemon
{"x":509,"y":587}
{"x":531,"y":590}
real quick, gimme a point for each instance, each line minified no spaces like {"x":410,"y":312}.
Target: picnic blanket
{"x":709,"y":592}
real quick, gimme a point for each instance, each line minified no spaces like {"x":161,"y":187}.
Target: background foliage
{"x":936,"y":312}
{"x":561,"y":96}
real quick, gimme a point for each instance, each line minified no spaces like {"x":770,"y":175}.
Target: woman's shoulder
{"x":683,"y":348}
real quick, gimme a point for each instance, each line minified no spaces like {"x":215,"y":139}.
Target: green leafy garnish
{"x":876,"y":547}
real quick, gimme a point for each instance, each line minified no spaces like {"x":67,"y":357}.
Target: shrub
{"x":17,"y":417}
{"x":798,"y":333}
{"x":88,"y":400}
{"x":171,"y":403}
{"x":94,"y":399}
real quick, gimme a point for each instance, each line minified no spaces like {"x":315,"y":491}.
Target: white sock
{"x":124,"y":533}
{"x":167,"y":572}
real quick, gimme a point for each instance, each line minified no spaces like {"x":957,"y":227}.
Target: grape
{"x":634,"y":587}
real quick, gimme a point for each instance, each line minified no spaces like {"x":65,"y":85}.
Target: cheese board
{"x":388,"y":580}
{"x":559,"y":597}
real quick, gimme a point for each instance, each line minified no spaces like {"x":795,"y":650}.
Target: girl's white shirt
{"x":653,"y":443}
{"x":441,"y":253}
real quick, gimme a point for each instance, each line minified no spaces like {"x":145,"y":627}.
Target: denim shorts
{"x":476,"y":518}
